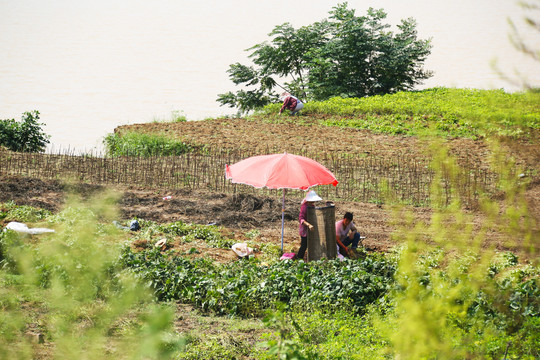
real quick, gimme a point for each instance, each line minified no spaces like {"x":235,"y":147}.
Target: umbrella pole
{"x":282,"y":218}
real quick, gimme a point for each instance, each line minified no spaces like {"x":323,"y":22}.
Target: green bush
{"x":189,"y":232}
{"x":135,"y":144}
{"x":23,"y":136}
{"x":22,"y":213}
{"x":210,"y":235}
{"x":338,"y":334}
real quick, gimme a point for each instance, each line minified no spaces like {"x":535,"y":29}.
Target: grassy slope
{"x":448,"y":112}
{"x":485,"y":114}
{"x":391,"y":122}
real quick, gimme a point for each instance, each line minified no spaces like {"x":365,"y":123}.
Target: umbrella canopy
{"x":280,"y":171}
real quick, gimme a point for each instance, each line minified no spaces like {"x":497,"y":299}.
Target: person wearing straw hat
{"x":291,"y":103}
{"x":304,"y":226}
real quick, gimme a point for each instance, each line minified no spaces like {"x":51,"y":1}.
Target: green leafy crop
{"x":444,"y":112}
{"x":245,"y":288}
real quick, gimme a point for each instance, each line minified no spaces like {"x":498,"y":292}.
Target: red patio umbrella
{"x":280,"y":171}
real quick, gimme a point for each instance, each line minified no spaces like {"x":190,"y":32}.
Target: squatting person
{"x":347,"y":234}
{"x":291,"y":103}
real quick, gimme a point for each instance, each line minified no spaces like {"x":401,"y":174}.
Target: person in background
{"x":304,"y":226}
{"x":347,"y":234}
{"x":291,"y":103}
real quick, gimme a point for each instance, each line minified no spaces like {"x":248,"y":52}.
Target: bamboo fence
{"x":366,"y":178}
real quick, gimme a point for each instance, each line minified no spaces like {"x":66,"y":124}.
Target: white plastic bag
{"x":23,"y":228}
{"x":241,"y":249}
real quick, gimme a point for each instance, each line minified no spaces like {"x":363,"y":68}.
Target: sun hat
{"x":284,"y":95}
{"x":312,"y":196}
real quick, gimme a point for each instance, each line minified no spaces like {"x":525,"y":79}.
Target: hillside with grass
{"x":444,"y":183}
{"x":463,"y":118}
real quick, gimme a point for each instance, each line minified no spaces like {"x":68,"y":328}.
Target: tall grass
{"x":137,"y":144}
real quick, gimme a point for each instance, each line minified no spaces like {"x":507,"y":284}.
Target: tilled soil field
{"x":237,"y":214}
{"x":304,"y":134}
{"x":243,"y":212}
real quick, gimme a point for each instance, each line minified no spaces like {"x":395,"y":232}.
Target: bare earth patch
{"x":241,"y":213}
{"x":304,"y":134}
{"x":237,"y":214}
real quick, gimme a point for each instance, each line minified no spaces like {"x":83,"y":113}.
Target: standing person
{"x":291,"y":103}
{"x":304,"y":226}
{"x":347,"y":234}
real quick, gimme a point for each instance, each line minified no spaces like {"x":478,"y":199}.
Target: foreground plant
{"x":458,"y":299}
{"x":64,"y":296}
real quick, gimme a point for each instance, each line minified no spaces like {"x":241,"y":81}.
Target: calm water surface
{"x":91,"y":66}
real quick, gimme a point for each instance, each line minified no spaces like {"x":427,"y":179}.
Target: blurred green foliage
{"x":64,"y":296}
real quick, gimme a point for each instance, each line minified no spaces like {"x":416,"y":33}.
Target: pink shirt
{"x":290,"y":103}
{"x":303,"y":230}
{"x":343,"y":232}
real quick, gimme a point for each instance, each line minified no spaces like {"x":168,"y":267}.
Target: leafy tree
{"x":24,"y":136}
{"x":286,"y":57}
{"x":345,"y":55}
{"x":364,"y":58}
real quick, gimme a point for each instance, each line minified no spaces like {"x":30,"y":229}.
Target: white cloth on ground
{"x":23,"y":228}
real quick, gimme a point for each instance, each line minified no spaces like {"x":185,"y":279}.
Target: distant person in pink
{"x":290,"y":103}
